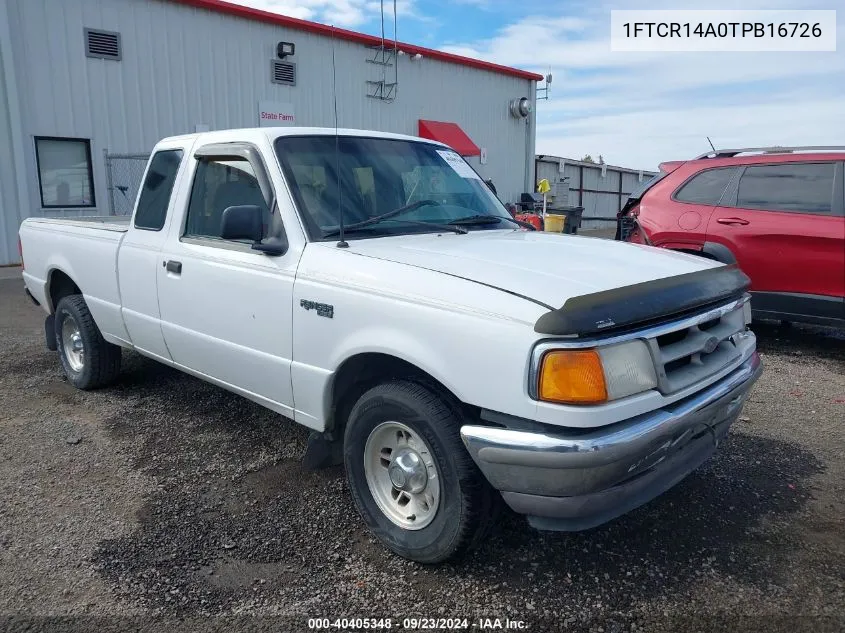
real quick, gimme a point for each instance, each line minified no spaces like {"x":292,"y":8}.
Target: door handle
{"x":732,"y":221}
{"x":173,"y":266}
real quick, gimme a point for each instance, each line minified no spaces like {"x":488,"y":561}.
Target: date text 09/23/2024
{"x":416,"y":624}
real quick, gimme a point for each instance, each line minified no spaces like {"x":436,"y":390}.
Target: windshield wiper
{"x":384,"y":216}
{"x":489,"y":219}
{"x":366,"y":225}
{"x":478,"y":219}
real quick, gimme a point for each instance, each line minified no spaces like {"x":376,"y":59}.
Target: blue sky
{"x":636,"y":109}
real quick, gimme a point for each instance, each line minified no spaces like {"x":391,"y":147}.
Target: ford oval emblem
{"x":710,"y":345}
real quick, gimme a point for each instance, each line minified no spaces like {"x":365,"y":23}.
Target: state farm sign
{"x":273,"y":114}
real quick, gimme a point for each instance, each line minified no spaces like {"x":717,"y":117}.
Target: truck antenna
{"x":711,"y":144}
{"x":342,"y":243}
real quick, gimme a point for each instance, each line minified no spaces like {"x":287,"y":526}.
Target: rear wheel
{"x":411,"y":478}
{"x":89,"y":361}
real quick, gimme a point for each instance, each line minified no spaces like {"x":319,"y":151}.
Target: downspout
{"x":395,"y":57}
{"x":531,"y":138}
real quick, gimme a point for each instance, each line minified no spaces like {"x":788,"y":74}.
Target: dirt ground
{"x":164,"y":503}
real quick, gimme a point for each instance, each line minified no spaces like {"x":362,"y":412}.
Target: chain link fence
{"x":124,"y":173}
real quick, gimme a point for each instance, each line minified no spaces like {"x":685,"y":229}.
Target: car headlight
{"x":593,"y":376}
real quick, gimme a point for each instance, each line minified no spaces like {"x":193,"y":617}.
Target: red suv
{"x":777,"y":212}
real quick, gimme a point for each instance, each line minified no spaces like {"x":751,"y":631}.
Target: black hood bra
{"x":649,"y":302}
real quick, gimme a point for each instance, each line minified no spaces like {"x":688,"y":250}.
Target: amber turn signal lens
{"x":572,"y":377}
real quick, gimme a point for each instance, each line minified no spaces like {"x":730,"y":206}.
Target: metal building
{"x":87,"y":87}
{"x":600,"y":189}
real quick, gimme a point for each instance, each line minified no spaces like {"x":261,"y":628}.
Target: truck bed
{"x":118,"y":223}
{"x":85,"y":250}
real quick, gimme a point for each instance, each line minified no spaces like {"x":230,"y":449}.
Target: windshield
{"x":413,"y":184}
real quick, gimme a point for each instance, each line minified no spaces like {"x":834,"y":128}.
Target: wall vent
{"x":283,"y":72}
{"x":102,"y":44}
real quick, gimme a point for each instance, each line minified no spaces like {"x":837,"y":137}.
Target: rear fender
{"x":57,"y":262}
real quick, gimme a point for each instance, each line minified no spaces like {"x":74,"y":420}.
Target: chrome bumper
{"x":575,"y":480}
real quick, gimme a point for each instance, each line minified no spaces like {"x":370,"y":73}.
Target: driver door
{"x":226,"y":308}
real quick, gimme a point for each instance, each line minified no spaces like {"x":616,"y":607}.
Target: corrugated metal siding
{"x":599,"y":195}
{"x":12,"y":179}
{"x":559,"y":194}
{"x":631,"y":181}
{"x":8,"y":199}
{"x":183,"y":66}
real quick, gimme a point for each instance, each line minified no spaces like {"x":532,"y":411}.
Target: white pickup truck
{"x":450,"y":356}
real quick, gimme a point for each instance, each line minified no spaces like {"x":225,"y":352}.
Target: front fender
{"x":400,"y":344}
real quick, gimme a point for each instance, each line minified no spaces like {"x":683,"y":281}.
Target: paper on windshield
{"x":458,"y":164}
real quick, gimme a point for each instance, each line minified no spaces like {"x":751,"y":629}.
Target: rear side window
{"x":158,"y":185}
{"x":218,"y":185}
{"x":706,"y":187}
{"x":799,"y":187}
{"x":645,"y":185}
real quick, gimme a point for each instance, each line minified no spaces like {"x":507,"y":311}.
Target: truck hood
{"x":546,"y":268}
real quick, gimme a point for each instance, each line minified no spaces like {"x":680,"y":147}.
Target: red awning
{"x":451,"y":134}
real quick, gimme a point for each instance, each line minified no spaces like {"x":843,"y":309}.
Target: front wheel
{"x":411,"y":477}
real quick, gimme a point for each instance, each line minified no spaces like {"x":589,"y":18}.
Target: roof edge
{"x":239,"y":10}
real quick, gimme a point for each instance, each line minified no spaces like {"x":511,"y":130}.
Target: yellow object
{"x":572,"y":377}
{"x":543,"y":186}
{"x":554,"y":223}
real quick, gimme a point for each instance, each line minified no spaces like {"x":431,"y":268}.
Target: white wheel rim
{"x":402,"y":476}
{"x":72,"y":345}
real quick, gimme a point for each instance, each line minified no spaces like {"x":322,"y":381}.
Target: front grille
{"x":696,"y":351}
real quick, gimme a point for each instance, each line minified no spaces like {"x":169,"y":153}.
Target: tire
{"x":466,"y":506}
{"x":88,"y":360}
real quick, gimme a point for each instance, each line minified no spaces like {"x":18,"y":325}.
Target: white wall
{"x":14,"y":205}
{"x":183,"y":66}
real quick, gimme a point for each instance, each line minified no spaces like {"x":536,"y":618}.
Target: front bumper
{"x":574,"y":480}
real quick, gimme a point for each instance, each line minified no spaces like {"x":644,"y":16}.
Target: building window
{"x":65,"y":175}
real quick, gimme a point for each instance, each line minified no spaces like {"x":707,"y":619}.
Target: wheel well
{"x":61,"y":286}
{"x":719,"y":252}
{"x":361,"y":372}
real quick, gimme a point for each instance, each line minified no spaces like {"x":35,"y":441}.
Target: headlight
{"x":592,"y":376}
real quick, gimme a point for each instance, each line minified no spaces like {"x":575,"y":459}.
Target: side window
{"x":706,"y":187}
{"x":217,"y":186}
{"x":803,"y":187}
{"x":158,"y":185}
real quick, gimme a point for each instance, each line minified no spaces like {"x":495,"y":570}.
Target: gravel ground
{"x":164,"y":503}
